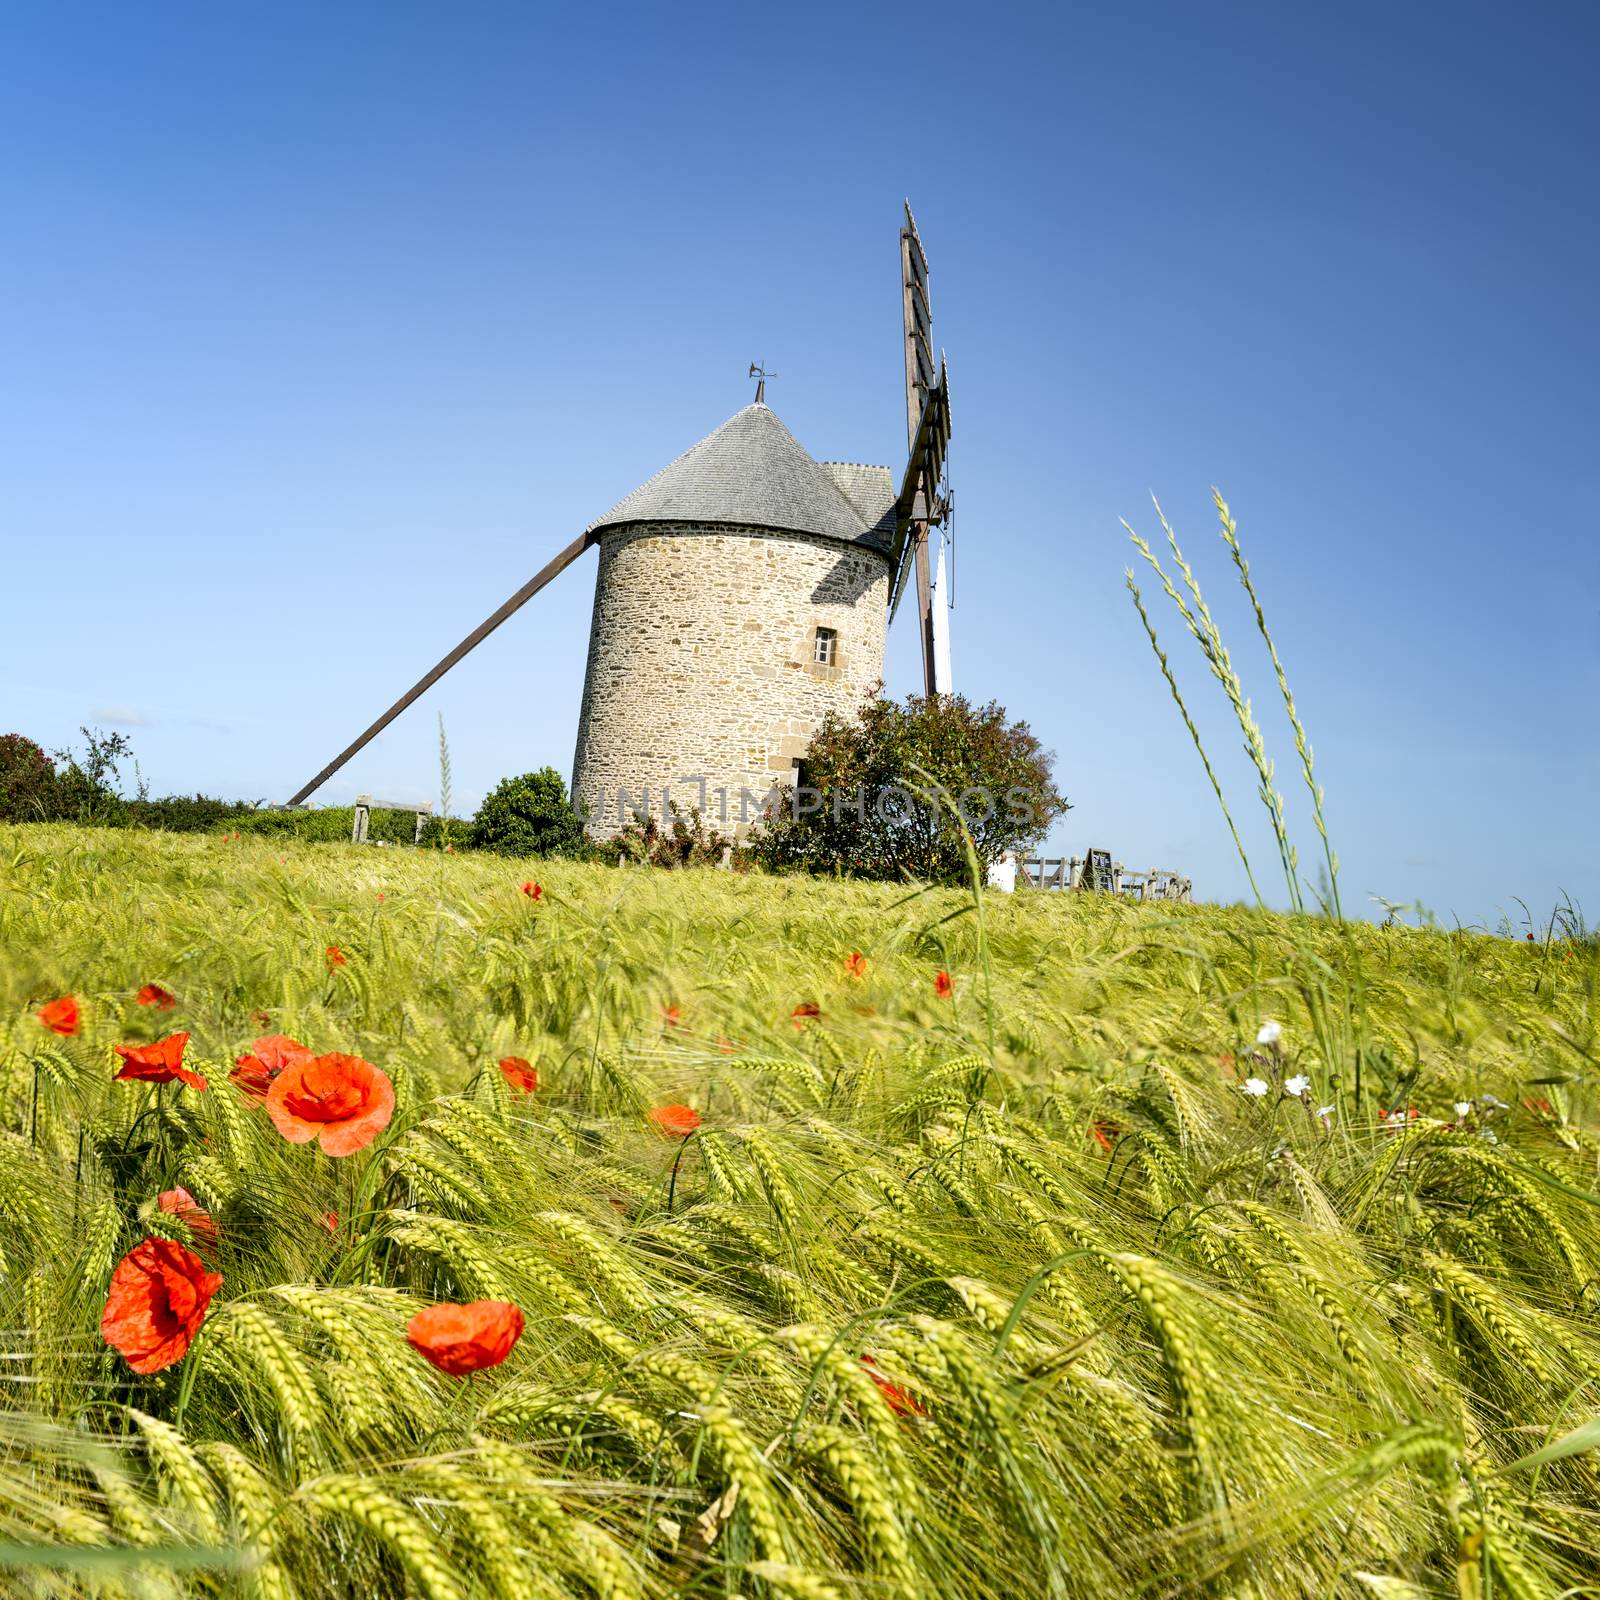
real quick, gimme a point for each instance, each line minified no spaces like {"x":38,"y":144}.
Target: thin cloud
{"x":121,"y":716}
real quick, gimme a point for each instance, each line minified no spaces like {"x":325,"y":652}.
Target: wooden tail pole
{"x":534,"y":584}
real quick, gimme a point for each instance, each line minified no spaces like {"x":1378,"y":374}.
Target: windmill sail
{"x":927,"y":437}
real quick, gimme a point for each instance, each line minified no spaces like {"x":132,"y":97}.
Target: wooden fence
{"x":1097,"y":871}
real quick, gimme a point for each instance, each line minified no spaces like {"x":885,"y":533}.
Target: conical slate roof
{"x":753,"y":472}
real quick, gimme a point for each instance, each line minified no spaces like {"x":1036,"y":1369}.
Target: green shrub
{"x":28,"y":782}
{"x":441,"y":833}
{"x":327,"y":825}
{"x":187,"y":813}
{"x":87,"y":789}
{"x":529,"y":816}
{"x":885,"y":795}
{"x":688,"y":842}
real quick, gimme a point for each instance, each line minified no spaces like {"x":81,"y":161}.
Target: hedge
{"x":332,"y":824}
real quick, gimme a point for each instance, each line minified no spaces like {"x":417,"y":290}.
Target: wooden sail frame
{"x":919,"y":505}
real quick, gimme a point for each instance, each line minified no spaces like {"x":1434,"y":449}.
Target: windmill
{"x":742,"y":594}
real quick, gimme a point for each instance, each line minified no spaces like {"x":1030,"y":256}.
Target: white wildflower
{"x":1488,"y":1133}
{"x":1324,"y":1112}
{"x":1463,"y":1108}
{"x":1255,"y":1086}
{"x":1297,"y":1085}
{"x":1271,"y":1033}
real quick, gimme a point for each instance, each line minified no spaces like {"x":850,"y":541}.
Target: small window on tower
{"x":827,"y":647}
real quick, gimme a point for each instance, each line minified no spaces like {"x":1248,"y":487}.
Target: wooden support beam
{"x":550,"y":570}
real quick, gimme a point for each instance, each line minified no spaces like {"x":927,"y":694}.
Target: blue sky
{"x":324,"y":326}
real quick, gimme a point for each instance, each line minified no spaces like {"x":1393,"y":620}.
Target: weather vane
{"x":760,"y":374}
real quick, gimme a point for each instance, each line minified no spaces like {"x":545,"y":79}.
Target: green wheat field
{"x":1026,"y":1291}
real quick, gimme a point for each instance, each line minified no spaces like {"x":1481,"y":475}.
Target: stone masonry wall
{"x":700,"y":661}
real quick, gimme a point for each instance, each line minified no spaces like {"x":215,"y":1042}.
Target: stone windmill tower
{"x":742,"y":594}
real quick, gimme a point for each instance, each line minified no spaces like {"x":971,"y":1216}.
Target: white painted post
{"x":1003,"y":873}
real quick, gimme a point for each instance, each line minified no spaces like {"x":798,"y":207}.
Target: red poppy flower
{"x":254,"y":1073}
{"x":61,"y":1016}
{"x":803,"y":1014}
{"x":181,"y":1204}
{"x":855,"y":964}
{"x":942,"y":986}
{"x":379,"y":897}
{"x":152,"y":994}
{"x":330,"y":1221}
{"x":336,"y":957}
{"x":342,"y":1101}
{"x":673,"y":1015}
{"x":520,"y":1074}
{"x":531,"y":889}
{"x":1104,"y":1133}
{"x":1540,"y":1104}
{"x":251,"y":1077}
{"x":679,"y":1121}
{"x":160,"y":1062}
{"x":725,"y":1046}
{"x":262,"y":1019}
{"x":462,"y":1339}
{"x":159,"y":1294}
{"x":901,"y":1403}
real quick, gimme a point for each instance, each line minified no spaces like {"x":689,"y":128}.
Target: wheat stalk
{"x":1188,"y":721}
{"x":391,"y":1522}
{"x":1206,"y":634}
{"x":1230,"y":537}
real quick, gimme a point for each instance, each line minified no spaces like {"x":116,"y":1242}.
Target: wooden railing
{"x":1097,"y":871}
